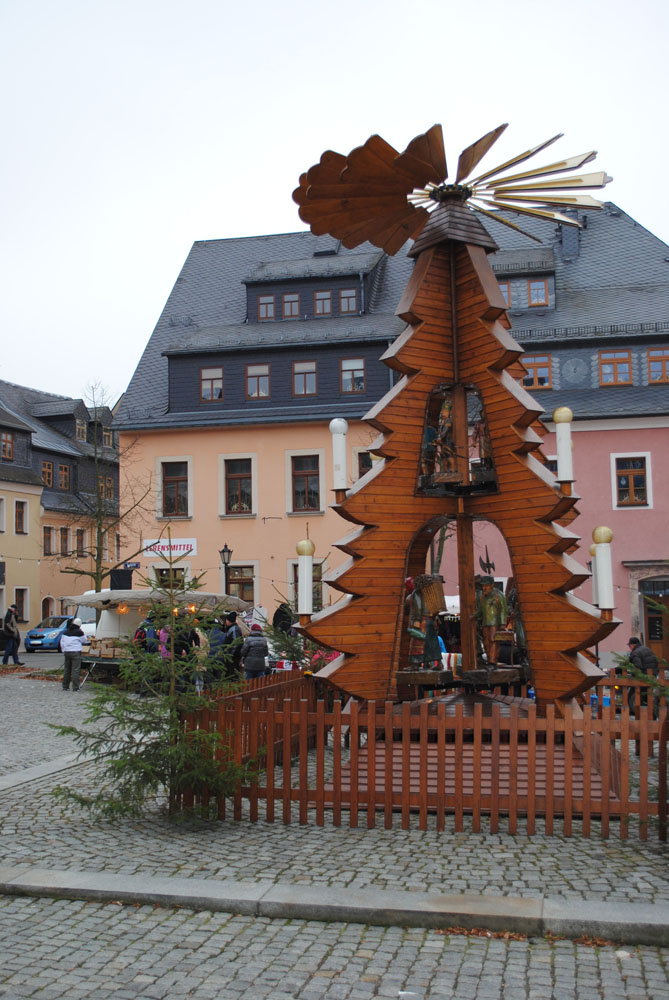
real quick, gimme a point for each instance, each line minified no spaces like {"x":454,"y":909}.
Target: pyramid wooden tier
{"x":457,"y":336}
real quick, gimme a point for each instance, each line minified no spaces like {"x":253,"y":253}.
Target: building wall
{"x":264,"y":539}
{"x":21,"y":552}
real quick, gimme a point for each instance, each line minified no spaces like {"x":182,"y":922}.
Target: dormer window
{"x":257,"y":381}
{"x":505,"y":289}
{"x":323,"y":303}
{"x":7,"y":440}
{"x":107,"y":437}
{"x":211,"y":384}
{"x":615,"y":368}
{"x":265,"y":307}
{"x":537,"y":292}
{"x":348,"y":301}
{"x":291,"y":305}
{"x":81,"y":430}
{"x":353,"y":375}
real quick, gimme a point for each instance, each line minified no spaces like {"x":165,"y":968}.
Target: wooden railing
{"x":514,"y":765}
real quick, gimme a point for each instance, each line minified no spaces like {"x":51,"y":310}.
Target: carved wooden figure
{"x":455,"y":351}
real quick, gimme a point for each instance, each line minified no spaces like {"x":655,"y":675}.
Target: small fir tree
{"x":137,"y":730}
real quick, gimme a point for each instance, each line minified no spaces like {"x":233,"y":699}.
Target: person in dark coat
{"x":71,"y":643}
{"x":232,"y":644}
{"x":644,"y":659}
{"x":253,"y":653}
{"x":12,"y":636}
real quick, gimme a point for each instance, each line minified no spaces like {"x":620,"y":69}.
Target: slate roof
{"x":339,"y":265}
{"x":611,"y":277}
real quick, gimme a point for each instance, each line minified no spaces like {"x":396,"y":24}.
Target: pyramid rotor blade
{"x":548,"y":198}
{"x":559,"y":167}
{"x":516,"y":159}
{"x":580,"y":181}
{"x":504,"y":222}
{"x":473,"y":154}
{"x":539,"y":213}
{"x":428,"y":149}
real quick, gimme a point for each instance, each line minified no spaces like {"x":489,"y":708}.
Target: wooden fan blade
{"x":328,"y":170}
{"x":559,"y":167}
{"x":386,"y":186}
{"x":517,"y":159}
{"x":425,"y":157}
{"x":388,"y":233}
{"x":473,"y":154}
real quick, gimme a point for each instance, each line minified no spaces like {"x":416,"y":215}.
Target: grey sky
{"x":132,"y":128}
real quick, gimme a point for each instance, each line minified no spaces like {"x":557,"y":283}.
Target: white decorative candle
{"x":305,"y":573}
{"x":562,"y":418}
{"x":338,"y":429}
{"x":602,"y":538}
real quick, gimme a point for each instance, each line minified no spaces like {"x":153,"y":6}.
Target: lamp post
{"x":226,"y":555}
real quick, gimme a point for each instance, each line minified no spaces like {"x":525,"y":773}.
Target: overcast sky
{"x":131,"y":128}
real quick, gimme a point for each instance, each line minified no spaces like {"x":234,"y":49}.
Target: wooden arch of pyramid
{"x":456,"y":334}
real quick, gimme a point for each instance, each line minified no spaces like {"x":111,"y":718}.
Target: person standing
{"x":71,"y":643}
{"x":253,"y":654}
{"x":491,"y":614}
{"x":232,"y":645}
{"x":644,"y":659}
{"x":12,"y":636}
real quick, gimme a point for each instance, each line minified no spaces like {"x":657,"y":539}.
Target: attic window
{"x":81,"y":430}
{"x":615,"y":368}
{"x":107,"y":437}
{"x":323,"y":303}
{"x":537,"y":292}
{"x":265,"y":307}
{"x":7,"y":440}
{"x":326,"y":253}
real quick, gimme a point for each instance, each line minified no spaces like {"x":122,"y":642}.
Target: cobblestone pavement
{"x":28,"y":705}
{"x":63,"y":948}
{"x":36,"y":829}
{"x":90,"y":951}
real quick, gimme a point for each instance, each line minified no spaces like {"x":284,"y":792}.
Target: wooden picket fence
{"x":375,"y":762}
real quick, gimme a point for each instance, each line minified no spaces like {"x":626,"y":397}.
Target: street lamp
{"x":226,"y":555}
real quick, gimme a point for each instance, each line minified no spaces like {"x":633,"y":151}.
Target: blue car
{"x":47,"y":634}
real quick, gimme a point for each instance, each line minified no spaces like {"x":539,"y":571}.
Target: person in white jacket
{"x":71,"y":644}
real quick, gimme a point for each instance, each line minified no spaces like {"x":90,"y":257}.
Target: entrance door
{"x":656,"y":616}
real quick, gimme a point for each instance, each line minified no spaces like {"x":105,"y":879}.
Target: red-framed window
{"x":348,"y":301}
{"x":175,"y":489}
{"x":211,"y":385}
{"x":323,"y":303}
{"x":290,"y":305}
{"x":631,"y":485}
{"x":615,"y":368}
{"x":658,"y":364}
{"x":537,"y":292}
{"x":63,"y":477}
{"x":265,"y":307}
{"x":538,"y":368}
{"x":21,"y":517}
{"x":304,"y":378}
{"x":80,"y":541}
{"x":353,"y":375}
{"x":64,"y":542}
{"x":47,"y":473}
{"x":306,"y":482}
{"x":257,"y":381}
{"x":240,"y":581}
{"x":505,"y":289}
{"x":47,"y":541}
{"x":238,"y":486}
{"x":7,"y":446}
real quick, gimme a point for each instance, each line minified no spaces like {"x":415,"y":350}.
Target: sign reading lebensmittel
{"x":154,"y":548}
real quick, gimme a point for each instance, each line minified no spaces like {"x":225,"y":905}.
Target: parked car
{"x":47,"y":634}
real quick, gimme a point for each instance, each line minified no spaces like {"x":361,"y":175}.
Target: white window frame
{"x":649,"y":481}
{"x":26,"y":520}
{"x":354,"y":462}
{"x":159,"y":487}
{"x":255,"y":564}
{"x":291,"y":565}
{"x":26,"y":606}
{"x":289,"y":455}
{"x":185,"y":566}
{"x":232,"y":457}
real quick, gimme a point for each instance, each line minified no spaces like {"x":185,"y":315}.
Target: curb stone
{"x":626,"y":923}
